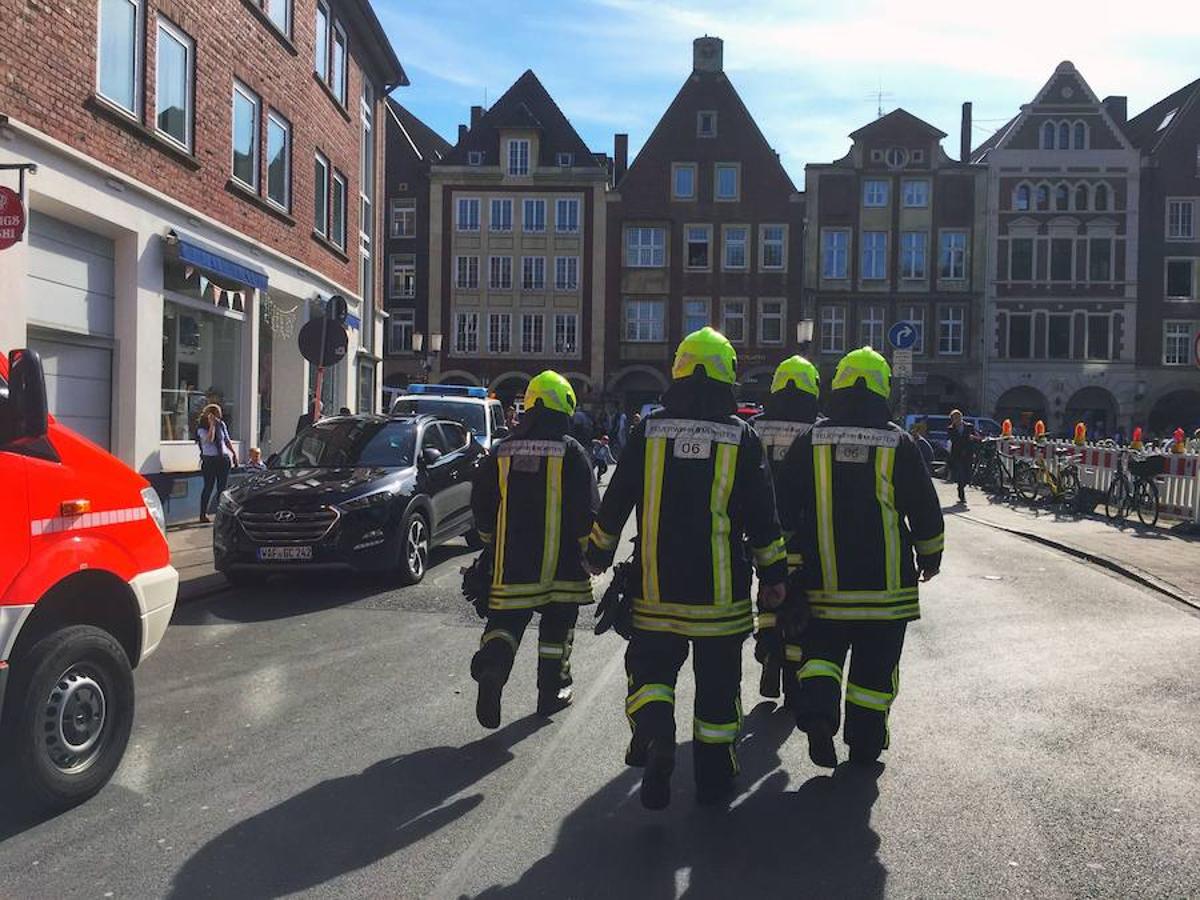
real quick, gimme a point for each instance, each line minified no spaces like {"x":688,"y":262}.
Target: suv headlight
{"x":155,"y":508}
{"x":227,"y":505}
{"x":366,"y":501}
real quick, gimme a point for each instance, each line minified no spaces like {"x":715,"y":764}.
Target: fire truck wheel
{"x":74,"y":715}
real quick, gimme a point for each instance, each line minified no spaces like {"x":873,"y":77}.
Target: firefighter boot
{"x":768,"y":682}
{"x":551,"y":701}
{"x":491,"y":680}
{"x":820,"y":744}
{"x":656,"y":780}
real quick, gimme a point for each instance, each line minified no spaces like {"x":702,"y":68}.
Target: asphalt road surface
{"x":319,"y":737}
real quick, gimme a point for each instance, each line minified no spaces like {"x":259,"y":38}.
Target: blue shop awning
{"x":213,"y":261}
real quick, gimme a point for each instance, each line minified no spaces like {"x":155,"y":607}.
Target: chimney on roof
{"x":964,"y":142}
{"x":476,"y":115}
{"x":1118,"y":108}
{"x":708,"y":54}
{"x":620,"y":157}
{"x":462,"y":133}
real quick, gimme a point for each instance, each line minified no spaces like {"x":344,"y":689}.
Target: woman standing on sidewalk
{"x":217,"y":455}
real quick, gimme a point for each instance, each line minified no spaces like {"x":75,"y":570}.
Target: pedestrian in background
{"x":217,"y":455}
{"x":602,"y":457}
{"x":962,"y":451}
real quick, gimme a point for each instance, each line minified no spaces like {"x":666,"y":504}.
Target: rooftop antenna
{"x":879,"y":95}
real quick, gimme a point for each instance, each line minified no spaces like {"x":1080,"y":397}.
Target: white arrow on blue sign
{"x":902,"y":335}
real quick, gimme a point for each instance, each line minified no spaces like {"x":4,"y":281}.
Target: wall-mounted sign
{"x":12,"y":218}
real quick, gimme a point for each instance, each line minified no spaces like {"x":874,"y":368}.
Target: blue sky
{"x":807,"y":71}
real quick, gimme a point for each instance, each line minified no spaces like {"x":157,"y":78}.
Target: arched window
{"x":1062,"y":198}
{"x":1043,"y":197}
{"x":1064,"y":136}
{"x":1021,"y":198}
{"x":1101,"y":199}
{"x":1048,"y":132}
{"x":1081,"y":197}
{"x":1080,"y":136}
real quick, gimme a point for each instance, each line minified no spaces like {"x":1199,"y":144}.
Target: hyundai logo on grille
{"x":285,"y":515}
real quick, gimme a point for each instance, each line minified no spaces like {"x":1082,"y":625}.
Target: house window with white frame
{"x":1058,"y":336}
{"x":1177,"y":343}
{"x":835,"y":245}
{"x":518,"y":156}
{"x":280,"y":14}
{"x":706,"y":123}
{"x":402,"y":279}
{"x":772,"y":248}
{"x":874,"y":255}
{"x":337,"y":210}
{"x":119,"y":63}
{"x":915,"y":192}
{"x":950,"y":330}
{"x":533,"y":333}
{"x":683,"y":181}
{"x":320,"y":195}
{"x":952,"y":255}
{"x":875,"y":193}
{"x":644,"y":247}
{"x":404,"y":217}
{"x":564,"y":160}
{"x":1100,"y":259}
{"x":499,"y":338}
{"x":467,"y":216}
{"x":915,"y":316}
{"x":733,"y":320}
{"x":770,"y":322}
{"x":833,"y":329}
{"x":736,"y":237}
{"x":1181,"y":220}
{"x":174,"y":59}
{"x":247,"y":111}
{"x":466,"y":272}
{"x":695,"y":315}
{"x":1183,"y":276}
{"x":871,"y":326}
{"x":1099,"y":337}
{"x":566,"y":334}
{"x":1020,"y":336}
{"x":466,"y":332}
{"x":727,"y":177}
{"x":698,"y":240}
{"x":337,"y":64}
{"x":566,"y":215}
{"x":566,"y":273}
{"x":912,"y":254}
{"x":533,"y":216}
{"x":533,"y":273}
{"x":645,"y":321}
{"x":279,"y":160}
{"x":402,"y":323}
{"x":500,"y":273}
{"x":501,"y":218}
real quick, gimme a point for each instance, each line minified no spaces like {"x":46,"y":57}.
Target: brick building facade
{"x":206,"y":178}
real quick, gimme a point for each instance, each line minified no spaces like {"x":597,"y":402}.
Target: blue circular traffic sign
{"x":902,"y":335}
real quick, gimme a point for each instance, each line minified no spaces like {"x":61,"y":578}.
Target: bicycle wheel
{"x":1026,"y":482}
{"x":1116,"y":500}
{"x":1146,"y":500}
{"x":1068,"y":486}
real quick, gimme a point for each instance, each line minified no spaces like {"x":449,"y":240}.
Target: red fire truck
{"x":86,"y":592}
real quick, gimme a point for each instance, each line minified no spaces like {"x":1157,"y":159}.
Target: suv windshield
{"x":351,"y":442}
{"x":473,"y":415}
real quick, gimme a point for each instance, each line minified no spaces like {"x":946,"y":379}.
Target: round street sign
{"x":12,"y":218}
{"x":336,"y":341}
{"x":902,"y":335}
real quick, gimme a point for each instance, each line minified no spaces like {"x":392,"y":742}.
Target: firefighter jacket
{"x":863,"y":511}
{"x":534,"y":499}
{"x":702,"y":492}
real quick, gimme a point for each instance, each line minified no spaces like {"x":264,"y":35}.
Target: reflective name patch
{"x":527,"y":463}
{"x":531,"y":448}
{"x":689,"y":430}
{"x":866,"y":437}
{"x":778,"y":436}
{"x":851,"y":453}
{"x":689,"y":448}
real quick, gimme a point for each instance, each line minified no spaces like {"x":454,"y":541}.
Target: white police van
{"x":471,"y":406}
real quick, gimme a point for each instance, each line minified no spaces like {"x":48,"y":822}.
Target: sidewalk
{"x":1167,"y":561}
{"x":192,"y":555}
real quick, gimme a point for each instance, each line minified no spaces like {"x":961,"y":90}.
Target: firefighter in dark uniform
{"x":534,"y":499}
{"x":697,"y":477}
{"x":868,"y":523}
{"x":788,"y":413}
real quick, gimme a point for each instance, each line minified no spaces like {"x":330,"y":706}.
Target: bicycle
{"x":1037,"y":480}
{"x":1138,"y":493}
{"x":990,"y":471}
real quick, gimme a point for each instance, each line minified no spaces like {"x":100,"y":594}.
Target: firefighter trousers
{"x":556,"y":634}
{"x":871,"y":683}
{"x":652,"y":663}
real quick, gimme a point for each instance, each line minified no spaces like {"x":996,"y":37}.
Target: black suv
{"x":366,"y":493}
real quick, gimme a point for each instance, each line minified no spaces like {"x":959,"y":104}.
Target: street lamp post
{"x":426,"y":357}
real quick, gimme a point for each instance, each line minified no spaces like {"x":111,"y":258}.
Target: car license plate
{"x":284,"y":554}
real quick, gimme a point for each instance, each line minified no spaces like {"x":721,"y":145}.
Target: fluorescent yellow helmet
{"x":798,"y":371}
{"x":554,"y":392}
{"x":706,"y":348}
{"x":867,"y":364}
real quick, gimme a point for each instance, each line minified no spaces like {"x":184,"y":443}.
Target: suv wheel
{"x":73,"y":715}
{"x":414,"y":548}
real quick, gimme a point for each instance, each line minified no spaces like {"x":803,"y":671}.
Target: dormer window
{"x":564,"y":160}
{"x":474,"y":158}
{"x":518,"y":157}
{"x":706,"y":124}
{"x":896,"y":157}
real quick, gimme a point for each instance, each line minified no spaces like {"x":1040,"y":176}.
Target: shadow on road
{"x":344,"y":824}
{"x":772,"y":842}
